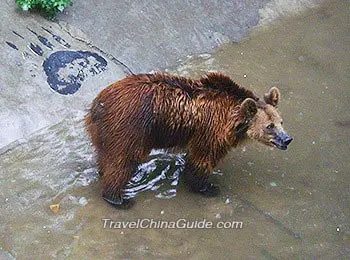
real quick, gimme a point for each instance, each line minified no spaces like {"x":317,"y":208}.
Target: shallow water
{"x":292,"y":204}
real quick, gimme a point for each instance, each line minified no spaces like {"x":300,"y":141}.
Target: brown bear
{"x":207,"y":116}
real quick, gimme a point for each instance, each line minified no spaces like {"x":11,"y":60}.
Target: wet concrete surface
{"x":51,"y":69}
{"x":293,"y":204}
{"x":170,"y":30}
{"x":46,"y":74}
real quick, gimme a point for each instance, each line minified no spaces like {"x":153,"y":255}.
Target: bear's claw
{"x":120,"y":203}
{"x":210,"y":190}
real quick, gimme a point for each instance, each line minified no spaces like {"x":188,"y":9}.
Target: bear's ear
{"x":249,"y":108}
{"x":272,"y":97}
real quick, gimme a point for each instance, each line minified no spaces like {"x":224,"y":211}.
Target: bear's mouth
{"x":279,"y":145}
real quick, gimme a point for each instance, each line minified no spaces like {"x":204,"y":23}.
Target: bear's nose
{"x":287,"y":140}
{"x":284,"y":138}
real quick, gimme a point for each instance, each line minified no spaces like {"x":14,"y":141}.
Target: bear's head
{"x":263,"y":122}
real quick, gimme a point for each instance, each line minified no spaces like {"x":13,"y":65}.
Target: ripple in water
{"x":160,"y":174}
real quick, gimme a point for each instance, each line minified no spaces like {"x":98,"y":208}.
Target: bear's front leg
{"x":197,"y":172}
{"x":116,"y":200}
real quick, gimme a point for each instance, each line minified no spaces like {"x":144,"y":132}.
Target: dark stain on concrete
{"x":12,"y":45}
{"x":16,"y":33}
{"x":42,"y":39}
{"x":57,"y":38}
{"x":66,"y":70}
{"x":36,"y":49}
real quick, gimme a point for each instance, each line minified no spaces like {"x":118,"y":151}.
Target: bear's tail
{"x":91,"y":121}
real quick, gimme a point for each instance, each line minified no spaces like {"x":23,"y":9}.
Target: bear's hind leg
{"x":115,"y":176}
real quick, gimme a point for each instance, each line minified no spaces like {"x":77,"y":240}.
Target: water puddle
{"x":160,"y":174}
{"x":292,"y":204}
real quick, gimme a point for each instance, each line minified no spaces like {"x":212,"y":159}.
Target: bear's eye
{"x":270,"y":126}
{"x":281,"y":122}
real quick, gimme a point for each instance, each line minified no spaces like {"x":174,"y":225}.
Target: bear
{"x":206,"y":117}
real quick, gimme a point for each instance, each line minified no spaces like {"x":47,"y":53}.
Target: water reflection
{"x":159,"y":174}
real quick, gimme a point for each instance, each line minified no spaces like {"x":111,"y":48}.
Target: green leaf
{"x":49,"y":7}
{"x":60,"y":8}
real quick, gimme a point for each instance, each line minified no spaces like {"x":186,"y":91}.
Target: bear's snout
{"x":282,"y":140}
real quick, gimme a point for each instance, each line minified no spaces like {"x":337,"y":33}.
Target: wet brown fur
{"x":141,"y":112}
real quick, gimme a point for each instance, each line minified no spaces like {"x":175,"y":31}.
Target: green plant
{"x":49,"y":7}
